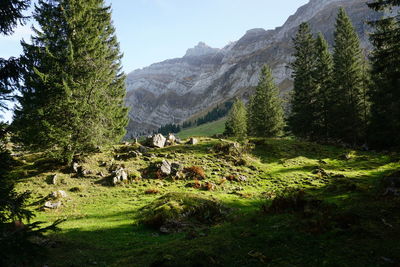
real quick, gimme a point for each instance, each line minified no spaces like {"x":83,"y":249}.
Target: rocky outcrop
{"x":176,"y":89}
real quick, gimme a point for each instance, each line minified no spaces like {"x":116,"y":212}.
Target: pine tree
{"x":10,"y":17}
{"x":16,"y":247}
{"x":265,"y":112}
{"x":236,"y":125}
{"x":303,"y":115}
{"x":348,"y":82}
{"x":11,"y":14}
{"x":73,"y":99}
{"x":324,"y":94}
{"x":385,"y":87}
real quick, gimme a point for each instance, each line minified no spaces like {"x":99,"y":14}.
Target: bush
{"x":194,"y":172}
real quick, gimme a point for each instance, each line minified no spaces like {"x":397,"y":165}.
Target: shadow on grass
{"x":252,"y":237}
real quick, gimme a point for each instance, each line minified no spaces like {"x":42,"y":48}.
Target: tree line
{"x":213,"y":115}
{"x":340,"y":95}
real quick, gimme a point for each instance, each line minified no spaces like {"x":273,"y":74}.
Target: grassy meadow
{"x":345,"y":221}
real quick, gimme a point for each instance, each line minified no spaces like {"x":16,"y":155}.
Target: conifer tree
{"x":10,"y":16}
{"x":265,"y":112}
{"x":303,"y":118}
{"x":348,"y":82}
{"x":17,"y":248}
{"x":73,"y":98}
{"x":385,"y":87}
{"x":323,"y":82}
{"x":236,"y":125}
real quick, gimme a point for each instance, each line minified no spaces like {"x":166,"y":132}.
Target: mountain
{"x":174,"y":90}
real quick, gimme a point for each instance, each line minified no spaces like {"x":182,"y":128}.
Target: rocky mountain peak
{"x":175,"y":90}
{"x":201,"y":49}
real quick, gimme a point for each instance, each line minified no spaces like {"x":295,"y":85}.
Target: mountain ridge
{"x":174,"y":90}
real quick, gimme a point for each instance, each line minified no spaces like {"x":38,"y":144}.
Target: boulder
{"x":171,"y":140}
{"x":157,"y":140}
{"x":51,"y":205}
{"x":165,"y":167}
{"x":193,"y":141}
{"x":119,"y":176}
{"x":58,"y":194}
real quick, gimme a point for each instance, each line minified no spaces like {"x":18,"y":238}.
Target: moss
{"x":182,"y":210}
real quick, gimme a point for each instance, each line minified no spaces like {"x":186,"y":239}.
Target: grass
{"x":205,"y":130}
{"x":103,"y":223}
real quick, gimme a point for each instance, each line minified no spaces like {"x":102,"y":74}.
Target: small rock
{"x":51,"y":205}
{"x":54,"y":179}
{"x":119,"y":176}
{"x":165,"y":167}
{"x":75,"y":167}
{"x":193,"y":141}
{"x":241,"y":178}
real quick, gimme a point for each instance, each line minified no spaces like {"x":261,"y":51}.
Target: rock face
{"x":174,"y":90}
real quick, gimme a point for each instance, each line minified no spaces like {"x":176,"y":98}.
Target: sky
{"x":151,"y":31}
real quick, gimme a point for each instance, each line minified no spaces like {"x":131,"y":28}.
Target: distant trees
{"x":385,"y":90}
{"x":265,"y":112}
{"x":169,"y":128}
{"x":72,"y":100}
{"x":236,"y":124}
{"x":216,"y":113}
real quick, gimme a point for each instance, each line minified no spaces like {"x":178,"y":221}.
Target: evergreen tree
{"x":385,"y":90}
{"x":348,"y":82}
{"x":303,"y":115}
{"x":265,"y":112}
{"x":323,"y":82}
{"x":11,"y":14}
{"x":236,"y":125}
{"x":73,"y":98}
{"x":10,"y":17}
{"x":16,"y":245}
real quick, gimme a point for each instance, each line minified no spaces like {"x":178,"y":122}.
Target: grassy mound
{"x":175,"y":212}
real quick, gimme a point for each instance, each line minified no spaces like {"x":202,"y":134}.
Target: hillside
{"x":208,"y":129}
{"x":275,"y":202}
{"x":177,"y":89}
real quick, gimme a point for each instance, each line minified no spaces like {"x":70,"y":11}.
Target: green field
{"x":208,"y":129}
{"x":343,"y":219}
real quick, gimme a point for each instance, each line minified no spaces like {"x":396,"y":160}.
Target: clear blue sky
{"x":150,"y":31}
